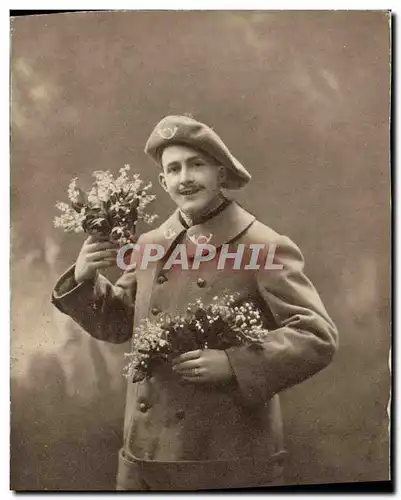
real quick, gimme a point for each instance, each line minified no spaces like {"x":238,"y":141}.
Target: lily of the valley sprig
{"x":111,"y":208}
{"x":221,"y":324}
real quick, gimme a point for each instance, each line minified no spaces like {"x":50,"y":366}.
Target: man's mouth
{"x":190,"y":191}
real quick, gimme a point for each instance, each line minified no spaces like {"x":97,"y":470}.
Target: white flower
{"x":73,"y":192}
{"x":125,"y":189}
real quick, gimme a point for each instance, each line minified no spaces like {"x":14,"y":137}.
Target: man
{"x":210,"y":419}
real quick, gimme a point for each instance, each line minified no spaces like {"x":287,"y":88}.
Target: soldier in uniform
{"x":210,"y":419}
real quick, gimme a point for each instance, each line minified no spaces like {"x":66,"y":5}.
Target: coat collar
{"x":220,"y":229}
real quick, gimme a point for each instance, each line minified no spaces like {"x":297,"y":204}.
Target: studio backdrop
{"x":303,"y":100}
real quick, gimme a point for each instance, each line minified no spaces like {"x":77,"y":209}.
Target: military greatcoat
{"x":187,"y":435}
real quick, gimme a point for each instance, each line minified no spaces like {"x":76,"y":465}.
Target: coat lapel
{"x":222,"y":228}
{"x":166,"y":234}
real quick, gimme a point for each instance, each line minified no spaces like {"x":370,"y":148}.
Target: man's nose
{"x":186,"y":176}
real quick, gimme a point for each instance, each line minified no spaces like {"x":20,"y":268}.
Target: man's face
{"x":191,"y":178}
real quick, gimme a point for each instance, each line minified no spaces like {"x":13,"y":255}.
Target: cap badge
{"x":167,"y":132}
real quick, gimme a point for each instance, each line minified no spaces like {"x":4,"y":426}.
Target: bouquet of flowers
{"x":219,"y":325}
{"x":110,"y":209}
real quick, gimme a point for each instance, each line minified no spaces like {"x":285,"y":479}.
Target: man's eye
{"x":173,"y":170}
{"x":198,"y":164}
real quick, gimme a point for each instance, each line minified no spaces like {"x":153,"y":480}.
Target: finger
{"x":106,"y":263}
{"x":102,"y":264}
{"x":194,"y":379}
{"x":100,"y":245}
{"x":102,"y":255}
{"x":89,"y":240}
{"x":193,"y":374}
{"x":187,"y":356}
{"x":192,"y":364}
{"x":95,"y":239}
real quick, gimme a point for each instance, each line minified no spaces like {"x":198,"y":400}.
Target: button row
{"x":180,"y":414}
{"x":201,"y":282}
{"x":162,"y":279}
{"x":143,"y":408}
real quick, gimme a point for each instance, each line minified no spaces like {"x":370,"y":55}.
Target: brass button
{"x":180,"y":414}
{"x":161,"y":279}
{"x":155,"y":311}
{"x":143,"y":407}
{"x":200,"y":282}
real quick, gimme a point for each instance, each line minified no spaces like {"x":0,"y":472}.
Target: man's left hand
{"x":206,"y":365}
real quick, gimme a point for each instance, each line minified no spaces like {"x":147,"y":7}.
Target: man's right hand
{"x":95,"y":254}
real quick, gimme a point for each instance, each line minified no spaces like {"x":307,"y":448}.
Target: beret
{"x":189,"y":132}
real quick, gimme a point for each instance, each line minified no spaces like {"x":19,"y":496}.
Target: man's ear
{"x":222,"y":176}
{"x":162,"y":181}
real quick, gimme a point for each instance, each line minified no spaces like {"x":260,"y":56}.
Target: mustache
{"x":192,"y":187}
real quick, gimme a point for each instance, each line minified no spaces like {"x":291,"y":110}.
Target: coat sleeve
{"x":104,"y":310}
{"x":304,"y":341}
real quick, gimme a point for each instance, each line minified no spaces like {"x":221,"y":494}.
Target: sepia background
{"x":302,"y":99}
